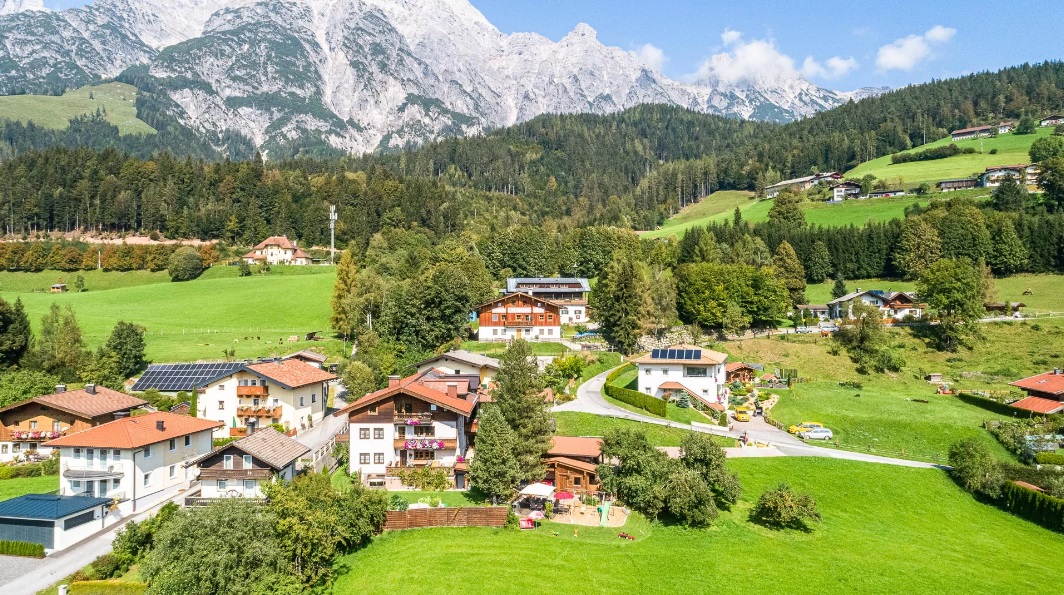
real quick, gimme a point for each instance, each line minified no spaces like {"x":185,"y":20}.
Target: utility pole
{"x":332,"y":234}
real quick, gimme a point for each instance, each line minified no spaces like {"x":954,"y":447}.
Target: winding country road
{"x":589,"y":399}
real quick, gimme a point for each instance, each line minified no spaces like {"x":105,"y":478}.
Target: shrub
{"x":1041,"y":509}
{"x":397,"y":502}
{"x":111,"y":565}
{"x":107,"y":588}
{"x":21,"y":548}
{"x":1049,"y":458}
{"x":929,"y":154}
{"x":975,"y":467}
{"x":512,"y":522}
{"x":782,"y":507}
{"x":185,"y":264}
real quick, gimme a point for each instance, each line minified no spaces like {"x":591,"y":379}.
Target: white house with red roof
{"x":1045,"y":392}
{"x":136,"y":460}
{"x":700,"y":372}
{"x":277,"y":250}
{"x":289,"y":392}
{"x":418,"y":421}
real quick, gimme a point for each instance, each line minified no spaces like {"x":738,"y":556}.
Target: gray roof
{"x":513,"y":282}
{"x":467,"y":357}
{"x":48,"y":507}
{"x":268,"y":445}
{"x":183,"y":377}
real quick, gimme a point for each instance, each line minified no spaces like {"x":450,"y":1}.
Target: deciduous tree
{"x":918,"y":247}
{"x":953,"y":291}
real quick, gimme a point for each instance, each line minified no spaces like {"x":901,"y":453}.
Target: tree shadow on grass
{"x":796,"y":525}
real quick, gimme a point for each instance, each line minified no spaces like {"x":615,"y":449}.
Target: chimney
{"x":452,"y":390}
{"x":60,"y":388}
{"x":393,"y":381}
{"x":90,"y":388}
{"x":1056,"y":370}
{"x":160,"y":425}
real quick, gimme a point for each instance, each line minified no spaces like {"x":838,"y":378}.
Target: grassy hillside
{"x":118,"y":100}
{"x":1046,"y":291}
{"x":882,"y":528}
{"x":715,"y":207}
{"x":1011,"y":149}
{"x":194,"y":320}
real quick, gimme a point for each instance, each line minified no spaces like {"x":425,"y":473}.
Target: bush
{"x":975,"y":467}
{"x":111,"y":565}
{"x":185,"y":264}
{"x":397,"y":502}
{"x":782,"y":507}
{"x":648,"y":403}
{"x":1049,"y":458}
{"x":1036,"y":507}
{"x":21,"y":548}
{"x":107,"y":588}
{"x":929,"y":154}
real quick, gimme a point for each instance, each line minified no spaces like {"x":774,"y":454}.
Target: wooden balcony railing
{"x":252,"y":391}
{"x":413,"y":419}
{"x":258,"y":411}
{"x":397,"y":470}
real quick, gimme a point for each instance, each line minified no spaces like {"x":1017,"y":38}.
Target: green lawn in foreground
{"x":885,"y":530}
{"x":1047,"y":290}
{"x":17,"y":486}
{"x":1011,"y":149}
{"x":197,"y":319}
{"x":118,"y":100}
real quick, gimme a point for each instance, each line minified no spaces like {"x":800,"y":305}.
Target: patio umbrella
{"x":564,"y":496}
{"x":538,"y":490}
{"x":537,"y":515}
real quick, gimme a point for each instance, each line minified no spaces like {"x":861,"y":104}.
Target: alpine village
{"x":375,"y":296}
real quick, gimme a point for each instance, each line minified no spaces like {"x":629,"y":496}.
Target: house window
{"x":57,"y":426}
{"x":116,"y":483}
{"x":188,"y":440}
{"x":528,"y":318}
{"x":88,"y":455}
{"x":33,"y":424}
{"x":103,"y":456}
{"x":314,"y":397}
{"x":222,"y":484}
{"x":249,"y":485}
{"x":646,"y":371}
{"x":424,"y":431}
{"x":3,"y":449}
{"x":221,"y":387}
{"x":695,"y":372}
{"x":147,"y":479}
{"x":247,"y":461}
{"x":173,"y":444}
{"x":494,"y":317}
{"x":550,"y":318}
{"x":495,"y":332}
{"x":227,"y":461}
{"x":221,"y":404}
{"x":16,"y":447}
{"x":432,"y":407}
{"x":173,"y":471}
{"x":378,"y":433}
{"x":116,"y":454}
{"x":550,"y":331}
{"x":424,"y":455}
{"x":665,"y":371}
{"x":576,"y":481}
{"x":77,"y":453}
{"x":363,"y":433}
{"x":76,"y":484}
{"x":378,"y":458}
{"x":301,"y":401}
{"x":363,"y":458}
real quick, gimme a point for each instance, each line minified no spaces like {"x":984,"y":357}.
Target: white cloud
{"x":651,"y":56}
{"x":907,"y":52}
{"x":730,"y":37}
{"x":832,"y":68}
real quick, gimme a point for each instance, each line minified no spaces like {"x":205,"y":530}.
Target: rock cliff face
{"x":356,"y":74}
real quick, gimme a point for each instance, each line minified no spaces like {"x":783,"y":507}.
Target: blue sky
{"x":835,"y":44}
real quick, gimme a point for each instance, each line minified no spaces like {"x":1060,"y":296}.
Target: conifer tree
{"x":620,"y":303}
{"x":494,"y":469}
{"x":344,"y":318}
{"x":14,"y":332}
{"x":819,"y":265}
{"x":790,"y":271}
{"x":521,"y":403}
{"x":839,"y":289}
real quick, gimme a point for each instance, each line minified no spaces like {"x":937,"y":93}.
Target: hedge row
{"x":614,"y":375}
{"x":107,"y":588}
{"x":1041,"y":509}
{"x":1049,"y":458}
{"x":46,"y":467}
{"x":635,"y":398}
{"x":21,"y":548}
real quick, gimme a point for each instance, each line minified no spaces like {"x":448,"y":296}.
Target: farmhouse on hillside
{"x":1053,"y":120}
{"x":569,"y":293}
{"x":1025,"y":174}
{"x":26,"y":424}
{"x":893,"y":305}
{"x":820,"y":311}
{"x":1045,"y":392}
{"x":418,"y":421}
{"x":519,"y":316}
{"x":277,"y":250}
{"x":845,"y":191}
{"x":690,"y":369}
{"x":973,"y":132}
{"x":136,"y":460}
{"x":460,"y":361}
{"x":56,"y":522}
{"x":238,"y":469}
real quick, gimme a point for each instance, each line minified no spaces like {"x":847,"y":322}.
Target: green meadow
{"x":18,"y":486}
{"x":885,"y":529}
{"x":1011,"y":149}
{"x":194,"y":320}
{"x":1047,"y":291}
{"x":117,"y":102}
{"x":718,"y":206}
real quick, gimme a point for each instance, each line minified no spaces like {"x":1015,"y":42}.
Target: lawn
{"x":586,"y":424}
{"x":886,"y":416}
{"x":1011,"y":149}
{"x":718,"y":206}
{"x":497,"y":348}
{"x":117,"y":101}
{"x":17,"y":486}
{"x":885,"y":529}
{"x":194,"y":320}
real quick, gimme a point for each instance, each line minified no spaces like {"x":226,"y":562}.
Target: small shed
{"x":56,"y":522}
{"x":934,"y":378}
{"x":59,"y":288}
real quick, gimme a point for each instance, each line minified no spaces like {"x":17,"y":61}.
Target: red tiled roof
{"x":412,"y":386}
{"x":575,"y":447}
{"x":299,"y":253}
{"x":281,"y":241}
{"x":84,"y":404}
{"x":292,"y":373}
{"x":1039,"y":405}
{"x":737,"y":366}
{"x":672,"y":385}
{"x":134,"y":432}
{"x":1049,"y":383}
{"x":574,"y":464}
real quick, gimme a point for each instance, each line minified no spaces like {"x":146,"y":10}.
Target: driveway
{"x":589,"y":399}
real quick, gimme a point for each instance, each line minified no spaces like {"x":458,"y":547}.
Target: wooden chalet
{"x":238,"y":469}
{"x":519,"y":316}
{"x":572,"y":464}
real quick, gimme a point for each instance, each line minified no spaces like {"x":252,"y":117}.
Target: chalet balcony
{"x":20,"y":435}
{"x":413,"y":419}
{"x":425,"y":443}
{"x":212,"y":473}
{"x":258,"y":411}
{"x":252,"y":391}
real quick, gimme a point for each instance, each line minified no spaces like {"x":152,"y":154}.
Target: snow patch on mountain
{"x":14,"y":6}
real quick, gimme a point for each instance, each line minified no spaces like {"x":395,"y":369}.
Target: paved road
{"x":589,"y":399}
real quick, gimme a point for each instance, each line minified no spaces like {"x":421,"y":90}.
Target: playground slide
{"x":604,"y":510}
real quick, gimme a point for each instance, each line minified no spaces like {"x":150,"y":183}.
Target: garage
{"x":55,"y":522}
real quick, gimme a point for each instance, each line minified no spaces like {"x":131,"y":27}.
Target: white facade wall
{"x":443,"y":430}
{"x":250,"y":488}
{"x":488,"y":334}
{"x":652,"y":376}
{"x":66,"y":538}
{"x":219,"y":401}
{"x":573,"y":314}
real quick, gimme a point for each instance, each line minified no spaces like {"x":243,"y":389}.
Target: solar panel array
{"x":683,"y":354}
{"x":178,"y":377}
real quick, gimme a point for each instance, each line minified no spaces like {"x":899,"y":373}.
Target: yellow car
{"x":805,"y":425}
{"x":742,"y":414}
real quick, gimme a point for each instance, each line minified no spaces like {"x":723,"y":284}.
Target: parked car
{"x":816,"y":434}
{"x":742,"y":414}
{"x":802,"y":330}
{"x":830,"y":327}
{"x":805,"y":425}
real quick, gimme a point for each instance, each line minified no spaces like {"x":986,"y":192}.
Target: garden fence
{"x":469,"y":516}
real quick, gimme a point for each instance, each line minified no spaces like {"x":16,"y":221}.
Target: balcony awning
{"x":91,"y":474}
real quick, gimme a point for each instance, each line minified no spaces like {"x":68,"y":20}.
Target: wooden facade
{"x":572,"y":475}
{"x":519,"y":311}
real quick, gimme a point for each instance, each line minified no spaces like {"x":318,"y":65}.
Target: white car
{"x":817,"y":434}
{"x":801,"y":330}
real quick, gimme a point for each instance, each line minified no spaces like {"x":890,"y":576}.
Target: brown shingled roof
{"x":269,"y":446}
{"x":281,"y":241}
{"x":291,"y":373}
{"x":413,"y":386}
{"x":134,"y":432}
{"x":85,"y":404}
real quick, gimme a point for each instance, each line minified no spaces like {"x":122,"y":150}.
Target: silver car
{"x":817,"y":434}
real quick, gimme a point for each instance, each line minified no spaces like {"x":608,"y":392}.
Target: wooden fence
{"x":472,"y":516}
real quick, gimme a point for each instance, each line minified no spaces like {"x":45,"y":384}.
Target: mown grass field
{"x":17,"y":486}
{"x":885,"y":529}
{"x":715,"y":207}
{"x":569,"y":423}
{"x":1011,"y":149}
{"x":116,"y":100}
{"x":193,"y":320}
